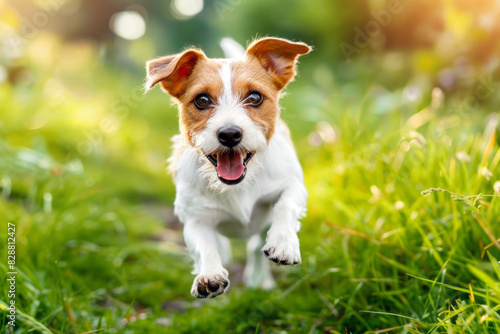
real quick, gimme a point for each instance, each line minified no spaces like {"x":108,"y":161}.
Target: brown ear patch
{"x":173,"y":71}
{"x":279,"y":57}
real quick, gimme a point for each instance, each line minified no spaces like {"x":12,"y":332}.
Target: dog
{"x":234,"y":165}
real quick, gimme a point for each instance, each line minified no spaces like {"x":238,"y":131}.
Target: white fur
{"x":271,"y":192}
{"x":273,"y":184}
{"x":227,"y":97}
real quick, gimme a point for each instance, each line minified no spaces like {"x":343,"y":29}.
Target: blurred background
{"x":57,"y":56}
{"x":398,"y":96}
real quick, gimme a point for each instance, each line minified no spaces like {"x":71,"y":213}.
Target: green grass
{"x":99,"y":250}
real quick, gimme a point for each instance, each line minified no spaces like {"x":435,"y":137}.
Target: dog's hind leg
{"x":257,"y":272}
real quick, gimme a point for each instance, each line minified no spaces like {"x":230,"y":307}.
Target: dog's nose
{"x":230,"y":136}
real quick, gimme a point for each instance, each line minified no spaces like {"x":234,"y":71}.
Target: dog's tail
{"x":231,"y":48}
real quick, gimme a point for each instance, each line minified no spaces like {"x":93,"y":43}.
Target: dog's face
{"x":228,"y":108}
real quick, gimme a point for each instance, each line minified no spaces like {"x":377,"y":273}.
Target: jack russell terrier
{"x":234,"y":164}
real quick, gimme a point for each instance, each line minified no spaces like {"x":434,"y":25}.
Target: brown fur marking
{"x":268,"y":67}
{"x":250,"y":75}
{"x":205,"y":78}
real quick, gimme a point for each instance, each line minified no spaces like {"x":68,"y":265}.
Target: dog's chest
{"x":199,"y":197}
{"x":244,"y":207}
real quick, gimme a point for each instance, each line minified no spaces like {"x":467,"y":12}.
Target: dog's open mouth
{"x":231,"y":166}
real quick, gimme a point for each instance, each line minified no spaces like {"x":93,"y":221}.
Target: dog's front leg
{"x":282,"y":243}
{"x":202,"y":242}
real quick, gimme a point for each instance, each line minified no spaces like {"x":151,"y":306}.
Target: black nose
{"x":230,"y":136}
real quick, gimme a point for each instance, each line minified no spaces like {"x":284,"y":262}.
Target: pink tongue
{"x":230,"y":165}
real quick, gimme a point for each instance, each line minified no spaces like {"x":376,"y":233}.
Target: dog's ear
{"x":173,"y":71}
{"x":278,"y":56}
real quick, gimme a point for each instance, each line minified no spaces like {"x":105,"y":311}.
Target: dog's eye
{"x":202,"y":101}
{"x":254,"y":98}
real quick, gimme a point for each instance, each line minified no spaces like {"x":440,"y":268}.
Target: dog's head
{"x":228,"y":108}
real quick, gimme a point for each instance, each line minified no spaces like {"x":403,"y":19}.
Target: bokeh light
{"x":128,"y":25}
{"x":185,"y":9}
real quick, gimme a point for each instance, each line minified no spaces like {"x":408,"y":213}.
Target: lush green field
{"x":401,"y":233}
{"x":403,"y":224}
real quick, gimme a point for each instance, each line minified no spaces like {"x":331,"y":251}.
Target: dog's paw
{"x":282,"y":248}
{"x":211,"y":284}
